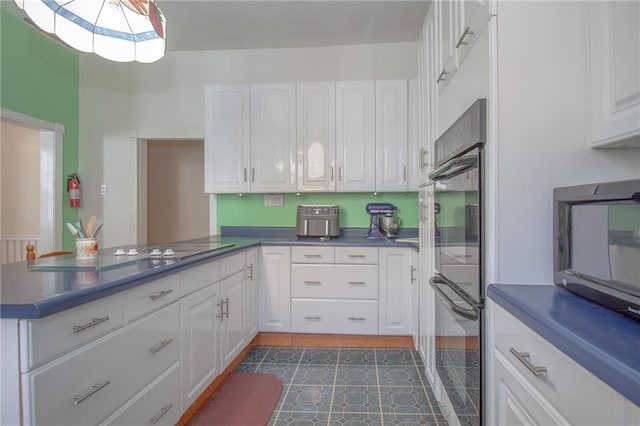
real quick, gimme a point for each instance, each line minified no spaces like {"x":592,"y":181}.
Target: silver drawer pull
{"x":160,"y":345}
{"x":313,"y":282}
{"x":313,"y":255}
{"x":357,"y":318}
{"x":524,"y":357}
{"x":461,"y":41}
{"x":442,"y":75}
{"x":79,"y":398}
{"x":315,"y":318}
{"x":160,"y":413}
{"x":95,"y":321}
{"x":357,"y":282}
{"x":357,"y":255}
{"x":160,"y":294}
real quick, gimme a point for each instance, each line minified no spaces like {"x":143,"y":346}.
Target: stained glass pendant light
{"x":118,"y":30}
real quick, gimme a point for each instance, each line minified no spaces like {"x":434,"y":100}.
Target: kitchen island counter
{"x":26,"y":293}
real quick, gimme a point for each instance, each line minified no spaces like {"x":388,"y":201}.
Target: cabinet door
{"x":273,"y":138}
{"x":414,"y":151}
{"x":316,"y":126}
{"x":275,"y":288}
{"x":226,"y":140}
{"x":232,"y":324}
{"x":446,"y":12}
{"x":397,"y":277}
{"x":517,"y":403}
{"x":200,"y":347}
{"x":615,"y":67}
{"x":426,"y":306}
{"x":355,"y":136}
{"x":251,"y":305}
{"x":473,"y":15}
{"x":391,"y":135}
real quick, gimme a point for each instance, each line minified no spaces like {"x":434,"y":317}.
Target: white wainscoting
{"x":14,"y":248}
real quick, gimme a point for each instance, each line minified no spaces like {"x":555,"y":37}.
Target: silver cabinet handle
{"x":253,"y":174}
{"x":95,"y":388}
{"x":226,"y":302}
{"x":250,"y":277}
{"x":413,"y":278}
{"x":441,"y":77}
{"x":357,"y":318}
{"x":245,"y":175}
{"x":221,"y":316}
{"x":160,"y":294}
{"x":160,"y":345}
{"x":405,"y":173}
{"x":160,"y":413}
{"x":462,"y":42}
{"x":340,"y":173}
{"x":313,"y":282}
{"x":315,"y":256}
{"x":524,"y":358}
{"x":332,"y":176}
{"x":95,"y":321}
{"x":316,"y":317}
{"x":357,"y":282}
{"x":357,"y":255}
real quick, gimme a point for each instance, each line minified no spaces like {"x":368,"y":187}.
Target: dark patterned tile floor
{"x":345,"y":386}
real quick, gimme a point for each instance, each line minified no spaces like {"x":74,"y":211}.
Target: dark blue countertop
{"x":27,"y":293}
{"x":602,"y":341}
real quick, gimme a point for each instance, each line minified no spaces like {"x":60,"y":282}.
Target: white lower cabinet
{"x":232,"y":319}
{"x":520,"y":392}
{"x":251,"y":294}
{"x":275,"y":289}
{"x":334,"y":316}
{"x":200,"y":365}
{"x":87,"y":385}
{"x":398,"y":285}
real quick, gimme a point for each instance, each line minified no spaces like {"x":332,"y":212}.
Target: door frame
{"x":51,"y":140}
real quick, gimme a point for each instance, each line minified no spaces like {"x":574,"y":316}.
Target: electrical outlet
{"x":103,"y":189}
{"x":273,"y":200}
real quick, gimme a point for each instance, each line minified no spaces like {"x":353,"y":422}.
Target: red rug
{"x":243,"y":399}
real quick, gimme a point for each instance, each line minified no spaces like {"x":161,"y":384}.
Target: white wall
{"x":542,"y":139}
{"x":166,"y":100}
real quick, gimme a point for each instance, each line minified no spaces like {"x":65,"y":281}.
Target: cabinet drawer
{"x":87,"y":385}
{"x":45,"y":338}
{"x":580,"y":396}
{"x":232,"y":264}
{"x":308,"y":254}
{"x":335,"y":281}
{"x":158,"y":403}
{"x":365,"y":255}
{"x":151,"y":296}
{"x":453,"y":255}
{"x":199,"y":277}
{"x":334,"y":316}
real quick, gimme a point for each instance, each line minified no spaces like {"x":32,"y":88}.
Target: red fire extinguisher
{"x":73,"y":187}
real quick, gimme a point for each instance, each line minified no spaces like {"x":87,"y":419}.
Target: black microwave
{"x":596,"y":251}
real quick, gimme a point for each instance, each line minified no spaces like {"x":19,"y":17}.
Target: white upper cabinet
{"x":414,"y":149}
{"x":446,"y":57}
{"x":355,"y":136}
{"x":615,"y":73}
{"x":226,"y":147}
{"x":391,"y":135}
{"x":273,"y":137}
{"x":473,"y":15}
{"x":316,"y":125}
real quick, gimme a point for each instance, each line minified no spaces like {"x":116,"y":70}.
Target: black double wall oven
{"x":458,"y":282}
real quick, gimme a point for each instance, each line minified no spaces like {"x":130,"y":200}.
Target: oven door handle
{"x":472,"y":314}
{"x":454,"y":167}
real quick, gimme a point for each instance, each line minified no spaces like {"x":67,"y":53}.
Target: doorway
{"x":177,"y":207}
{"x":31,"y":211}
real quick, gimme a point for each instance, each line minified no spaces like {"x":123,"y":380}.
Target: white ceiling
{"x":215,"y":25}
{"x":239,"y":24}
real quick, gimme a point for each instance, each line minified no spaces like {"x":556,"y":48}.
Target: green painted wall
{"x":624,"y":218}
{"x":453,"y":207}
{"x":249,"y":210}
{"x":39,"y":77}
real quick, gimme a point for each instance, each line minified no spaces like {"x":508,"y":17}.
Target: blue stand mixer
{"x":383,"y":221}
